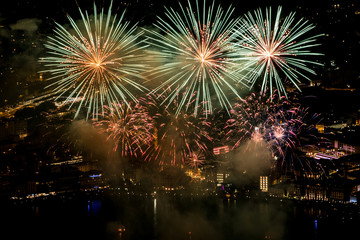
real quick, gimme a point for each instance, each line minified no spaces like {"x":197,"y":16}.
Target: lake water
{"x":115,"y":217}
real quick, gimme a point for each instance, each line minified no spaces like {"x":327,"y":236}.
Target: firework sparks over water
{"x":274,"y":49}
{"x":197,"y":56}
{"x":129,"y":127}
{"x":94,"y":62}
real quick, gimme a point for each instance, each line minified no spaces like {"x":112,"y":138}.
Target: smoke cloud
{"x":96,"y":144}
{"x":28,"y":25}
{"x":252,"y":156}
{"x":249,"y":161}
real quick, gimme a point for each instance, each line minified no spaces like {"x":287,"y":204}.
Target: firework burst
{"x":197,"y":56}
{"x":274,"y":49}
{"x":286,"y":124}
{"x":196,"y":159}
{"x":94,"y":62}
{"x":129,"y":127}
{"x":177,"y":137}
{"x":262,"y":119}
{"x":249,"y":119}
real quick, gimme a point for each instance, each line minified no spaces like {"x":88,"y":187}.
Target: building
{"x":264,"y":183}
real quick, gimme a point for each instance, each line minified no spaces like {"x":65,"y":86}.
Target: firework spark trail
{"x":177,"y":137}
{"x":261,"y":119}
{"x":94,"y":61}
{"x":197,"y":56}
{"x":130,"y":128}
{"x":273,"y":49}
{"x":196,"y":159}
{"x":284,"y":130}
{"x":250,"y":117}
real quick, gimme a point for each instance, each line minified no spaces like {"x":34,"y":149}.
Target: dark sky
{"x":57,"y":10}
{"x":145,"y":11}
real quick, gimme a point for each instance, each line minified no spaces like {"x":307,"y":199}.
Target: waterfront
{"x":164,"y":217}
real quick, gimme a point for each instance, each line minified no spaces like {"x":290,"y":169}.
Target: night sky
{"x":143,"y":11}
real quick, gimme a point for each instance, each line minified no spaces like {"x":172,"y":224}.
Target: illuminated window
{"x":264,"y":183}
{"x":220,"y":177}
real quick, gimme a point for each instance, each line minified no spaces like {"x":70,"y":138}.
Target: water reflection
{"x":155,"y":214}
{"x":162,"y":218}
{"x":94,"y":207}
